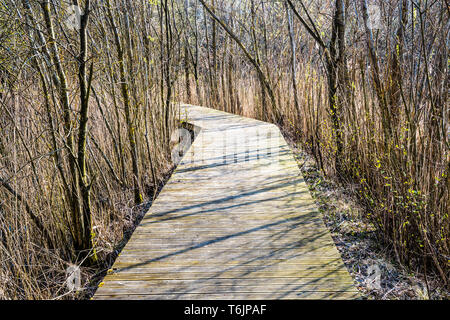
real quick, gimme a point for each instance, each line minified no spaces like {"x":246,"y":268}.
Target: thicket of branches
{"x":87,"y":112}
{"x":367,"y":97}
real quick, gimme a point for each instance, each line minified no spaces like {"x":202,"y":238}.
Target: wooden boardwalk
{"x":235,"y":221}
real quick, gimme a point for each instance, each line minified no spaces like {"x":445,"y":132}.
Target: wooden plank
{"x":273,"y":295}
{"x":298,"y":262}
{"x":318,"y":284}
{"x":235,"y":221}
{"x":233,"y":285}
{"x":228,"y":254}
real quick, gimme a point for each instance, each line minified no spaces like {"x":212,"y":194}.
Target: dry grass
{"x":362,"y":251}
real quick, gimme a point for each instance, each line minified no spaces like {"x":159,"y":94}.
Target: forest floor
{"x":377,"y":276}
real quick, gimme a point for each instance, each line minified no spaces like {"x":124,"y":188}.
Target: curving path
{"x":235,"y":221}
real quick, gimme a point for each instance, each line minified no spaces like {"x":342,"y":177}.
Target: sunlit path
{"x":235,"y":221}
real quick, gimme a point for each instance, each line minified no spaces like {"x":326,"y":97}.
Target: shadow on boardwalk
{"x":235,"y":221}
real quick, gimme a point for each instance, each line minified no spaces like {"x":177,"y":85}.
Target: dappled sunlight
{"x":230,"y":228}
